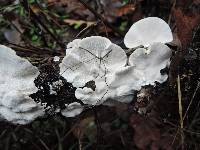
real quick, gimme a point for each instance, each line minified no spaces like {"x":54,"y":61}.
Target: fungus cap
{"x":72,"y":110}
{"x":148,"y":31}
{"x":149,"y":62}
{"x":90,"y":58}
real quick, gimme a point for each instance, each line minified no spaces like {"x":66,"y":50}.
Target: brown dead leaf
{"x":109,"y":9}
{"x":126,"y":9}
{"x":147,"y":134}
{"x":12,"y":36}
{"x":145,"y":131}
{"x":72,"y":22}
{"x":183,"y":3}
{"x":73,"y":7}
{"x":14,"y":33}
{"x":186,"y":23}
{"x":113,"y":9}
{"x":35,"y":9}
{"x":196,"y":2}
{"x":138,"y":14}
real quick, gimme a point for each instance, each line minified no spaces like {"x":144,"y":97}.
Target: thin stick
{"x":180,"y":111}
{"x":98,"y":126}
{"x":193,"y":96}
{"x":79,"y":143}
{"x":170,"y":15}
{"x":85,"y":29}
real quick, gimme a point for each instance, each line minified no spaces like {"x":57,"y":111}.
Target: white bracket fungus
{"x":56,"y":59}
{"x":72,"y":110}
{"x":149,"y":62}
{"x":148,"y":31}
{"x":98,"y":68}
{"x":91,"y":58}
{"x":152,"y":33}
{"x":97,"y":59}
{"x":145,"y":63}
{"x":17,"y":77}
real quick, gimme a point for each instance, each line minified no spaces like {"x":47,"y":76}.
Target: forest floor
{"x":167,"y":117}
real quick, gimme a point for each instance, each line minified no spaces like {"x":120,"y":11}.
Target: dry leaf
{"x":185,"y":23}
{"x":13,"y":35}
{"x":73,"y":7}
{"x":79,"y":22}
{"x":112,"y":9}
{"x":147,"y":134}
{"x":197,"y":2}
{"x":126,"y":9}
{"x":109,"y":9}
{"x":35,"y":9}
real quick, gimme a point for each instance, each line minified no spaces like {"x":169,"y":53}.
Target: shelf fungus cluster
{"x":100,"y":70}
{"x":17,"y":77}
{"x":103,"y":73}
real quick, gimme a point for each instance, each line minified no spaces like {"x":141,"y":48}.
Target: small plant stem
{"x":172,"y":9}
{"x":180,"y":111}
{"x":98,"y":126}
{"x":80,"y":143}
{"x":193,"y":96}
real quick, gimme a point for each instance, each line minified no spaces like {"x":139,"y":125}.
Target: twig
{"x":184,"y":129}
{"x":44,"y":144}
{"x":180,"y":111}
{"x":105,"y":28}
{"x":98,"y":126}
{"x":62,"y":139}
{"x":32,"y":49}
{"x":193,"y":96}
{"x":170,"y":15}
{"x":101,"y":18}
{"x":80,"y":143}
{"x":85,"y":29}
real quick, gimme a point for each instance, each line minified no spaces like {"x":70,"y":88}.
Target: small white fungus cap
{"x":149,"y":62}
{"x":148,"y":31}
{"x":56,"y":59}
{"x":17,"y":77}
{"x":90,"y":58}
{"x":72,"y":110}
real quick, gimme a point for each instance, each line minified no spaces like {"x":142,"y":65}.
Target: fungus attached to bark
{"x":90,"y":58}
{"x":145,"y":64}
{"x":152,"y":33}
{"x":98,"y":60}
{"x":72,"y":110}
{"x":149,"y":62}
{"x":17,"y":77}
